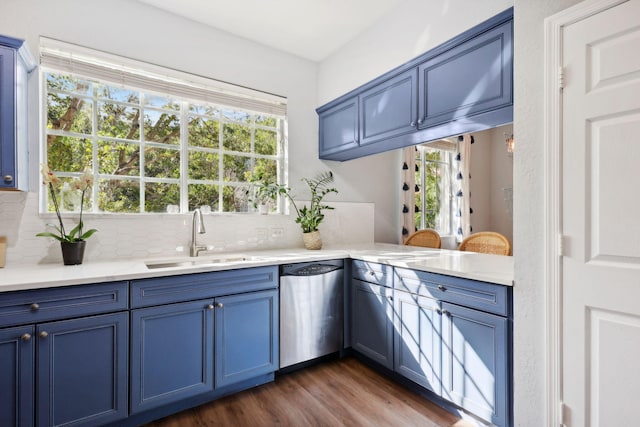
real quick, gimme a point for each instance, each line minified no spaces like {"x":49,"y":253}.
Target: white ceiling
{"x":311,"y":29}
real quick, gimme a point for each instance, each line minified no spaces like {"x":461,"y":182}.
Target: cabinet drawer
{"x":164,"y":290}
{"x":372,"y":272}
{"x":484,"y":296}
{"x":59,"y":303}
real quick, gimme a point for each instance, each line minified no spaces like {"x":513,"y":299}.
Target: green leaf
{"x":87,"y":234}
{"x":47,"y":234}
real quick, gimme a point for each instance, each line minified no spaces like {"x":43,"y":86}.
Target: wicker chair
{"x":426,"y":238}
{"x":486,"y":242}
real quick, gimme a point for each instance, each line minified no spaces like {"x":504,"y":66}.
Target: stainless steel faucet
{"x":198,"y":224}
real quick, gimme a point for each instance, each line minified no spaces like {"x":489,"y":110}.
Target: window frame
{"x":446,"y":215}
{"x":183,"y":148}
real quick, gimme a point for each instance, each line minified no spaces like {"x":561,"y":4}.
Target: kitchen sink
{"x":199,"y":262}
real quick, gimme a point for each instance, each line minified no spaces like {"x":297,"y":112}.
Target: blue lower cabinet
{"x":372,"y":322}
{"x":16,"y":376}
{"x":474,"y":362}
{"x":417,"y":341}
{"x":171,"y":353}
{"x":246,"y":336}
{"x":82,"y":371}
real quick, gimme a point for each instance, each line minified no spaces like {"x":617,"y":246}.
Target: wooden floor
{"x":336,"y":393}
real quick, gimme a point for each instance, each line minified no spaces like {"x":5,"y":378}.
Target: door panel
{"x":82,"y":370}
{"x":389,"y":109}
{"x":339,"y":128}
{"x":474,"y":362}
{"x":601,"y":153}
{"x":372,"y":325}
{"x":171,"y":353}
{"x":16,"y":376}
{"x":417,"y":339}
{"x":246,"y":336}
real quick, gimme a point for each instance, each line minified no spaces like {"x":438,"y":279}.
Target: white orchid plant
{"x":82,"y":184}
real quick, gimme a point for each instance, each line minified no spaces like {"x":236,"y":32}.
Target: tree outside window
{"x":149,"y":151}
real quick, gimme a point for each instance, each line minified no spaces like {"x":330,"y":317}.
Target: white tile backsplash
{"x":166,"y":235}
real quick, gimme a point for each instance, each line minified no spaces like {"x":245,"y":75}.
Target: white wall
{"x":491,"y":173}
{"x":138,"y":31}
{"x":529,"y":302}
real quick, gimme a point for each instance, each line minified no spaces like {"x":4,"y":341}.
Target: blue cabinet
{"x":16,"y":376}
{"x":389,"y":109}
{"x":475,"y":362}
{"x":417,"y":340}
{"x":453,"y":338}
{"x":15,"y":63}
{"x":246,"y":336}
{"x":472,"y":78}
{"x":338,"y":128}
{"x":464,"y":85}
{"x":82,"y":367}
{"x":372,"y":321}
{"x":195,"y":334}
{"x":171,"y":353}
{"x":64,"y":355}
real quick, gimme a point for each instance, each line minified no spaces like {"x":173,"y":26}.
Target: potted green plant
{"x":72,"y":243}
{"x":310,"y":217}
{"x":262,"y":193}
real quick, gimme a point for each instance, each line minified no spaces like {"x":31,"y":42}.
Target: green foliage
{"x":134,"y":129}
{"x":310,"y":217}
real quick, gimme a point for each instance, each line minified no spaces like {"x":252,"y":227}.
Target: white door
{"x":601,"y":219}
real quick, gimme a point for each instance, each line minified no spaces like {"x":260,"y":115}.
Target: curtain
{"x":465,"y":210}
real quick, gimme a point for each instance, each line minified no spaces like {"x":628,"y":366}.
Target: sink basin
{"x":195,"y":262}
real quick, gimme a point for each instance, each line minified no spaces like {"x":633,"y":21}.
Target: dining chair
{"x":426,"y":238}
{"x":486,"y":242}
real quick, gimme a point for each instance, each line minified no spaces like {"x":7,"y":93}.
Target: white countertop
{"x":489,"y":268}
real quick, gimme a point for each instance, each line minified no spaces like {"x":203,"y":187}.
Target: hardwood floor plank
{"x":337,"y":393}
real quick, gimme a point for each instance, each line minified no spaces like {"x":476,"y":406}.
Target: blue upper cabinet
{"x":339,"y":128}
{"x":389,"y":109}
{"x":472,"y":78}
{"x":15,"y":63}
{"x":464,"y":85}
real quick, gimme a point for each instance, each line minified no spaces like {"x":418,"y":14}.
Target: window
{"x":156,"y":151}
{"x":435,"y":177}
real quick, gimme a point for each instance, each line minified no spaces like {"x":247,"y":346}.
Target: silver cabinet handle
{"x":210,"y":307}
{"x":44,"y":334}
{"x":413,"y":124}
{"x":8,"y":178}
{"x":420,"y":121}
{"x":25,"y":337}
{"x":441,"y":287}
{"x":219,"y":305}
{"x":372,"y":273}
{"x":35,"y":306}
{"x":438,"y":311}
{"x":446,"y":313}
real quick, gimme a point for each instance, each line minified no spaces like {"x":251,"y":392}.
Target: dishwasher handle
{"x":311,"y":270}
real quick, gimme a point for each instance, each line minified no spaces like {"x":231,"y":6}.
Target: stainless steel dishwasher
{"x":311,"y":310}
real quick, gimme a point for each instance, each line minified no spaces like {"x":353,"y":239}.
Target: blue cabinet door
{"x":171,"y":353}
{"x":338,"y":128}
{"x":246,"y":335}
{"x":471,"y":78}
{"x":417,"y":341}
{"x":7,"y":117}
{"x":475,"y":362}
{"x":390,"y":108}
{"x":16,"y":376}
{"x":372,"y":322}
{"x":82,"y":370}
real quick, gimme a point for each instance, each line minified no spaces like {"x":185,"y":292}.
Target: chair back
{"x":426,"y":238}
{"x":486,"y":242}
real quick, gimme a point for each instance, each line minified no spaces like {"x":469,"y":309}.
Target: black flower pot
{"x":72,"y":252}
